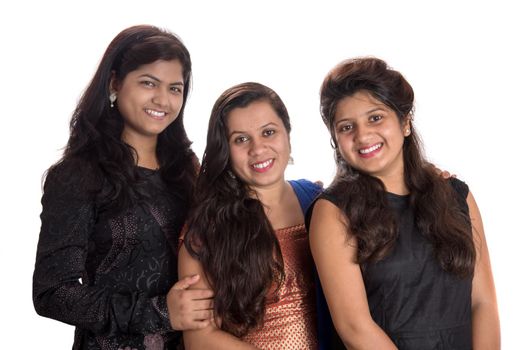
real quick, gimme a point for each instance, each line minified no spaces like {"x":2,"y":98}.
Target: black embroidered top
{"x":108,"y":274}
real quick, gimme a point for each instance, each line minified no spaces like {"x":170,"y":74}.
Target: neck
{"x":395,"y":184}
{"x":272,"y":195}
{"x":145,"y":148}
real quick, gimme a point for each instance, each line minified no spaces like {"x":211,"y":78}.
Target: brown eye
{"x":346,"y":128}
{"x":176,"y":89}
{"x":241,"y":139}
{"x":147,"y":83}
{"x":375,"y":118}
{"x":268,"y":132}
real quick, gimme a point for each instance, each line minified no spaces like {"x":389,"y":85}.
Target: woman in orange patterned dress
{"x":246,"y":234}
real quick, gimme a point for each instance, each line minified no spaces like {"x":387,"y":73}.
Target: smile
{"x":156,"y":114}
{"x":263,"y":166}
{"x":370,"y":150}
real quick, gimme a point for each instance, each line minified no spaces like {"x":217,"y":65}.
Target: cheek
{"x":235,"y":156}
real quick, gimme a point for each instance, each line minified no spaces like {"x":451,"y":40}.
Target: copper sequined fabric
{"x":290,"y":323}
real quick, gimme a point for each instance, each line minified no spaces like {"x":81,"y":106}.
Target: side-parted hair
{"x":228,"y":231}
{"x":437,"y":211}
{"x":95,"y":149}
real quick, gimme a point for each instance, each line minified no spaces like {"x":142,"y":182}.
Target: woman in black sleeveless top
{"x":400,"y":252}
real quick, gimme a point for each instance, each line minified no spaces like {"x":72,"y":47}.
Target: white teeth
{"x":263,"y":165}
{"x":155,"y":113}
{"x":370,"y":149}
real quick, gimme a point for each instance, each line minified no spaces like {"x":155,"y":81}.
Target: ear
{"x":114,"y":85}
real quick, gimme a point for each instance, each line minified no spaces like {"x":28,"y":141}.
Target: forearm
{"x":486,"y":327}
{"x":101,"y":311}
{"x":364,"y":335}
{"x":215,"y":339}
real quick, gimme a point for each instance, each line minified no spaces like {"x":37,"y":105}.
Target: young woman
{"x":400,"y":251}
{"x":113,"y":206}
{"x":246,"y":234}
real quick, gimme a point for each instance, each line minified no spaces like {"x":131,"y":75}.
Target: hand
{"x":189,"y":309}
{"x":442,"y":173}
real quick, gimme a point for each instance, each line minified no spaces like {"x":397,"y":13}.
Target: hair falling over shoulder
{"x":435,"y":203}
{"x":95,"y":130}
{"x":228,"y":231}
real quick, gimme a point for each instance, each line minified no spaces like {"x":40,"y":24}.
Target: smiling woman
{"x":246,"y":233}
{"x":114,"y":204}
{"x":400,"y":251}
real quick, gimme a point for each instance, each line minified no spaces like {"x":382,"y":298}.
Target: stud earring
{"x":407,"y":132}
{"x":112,"y":99}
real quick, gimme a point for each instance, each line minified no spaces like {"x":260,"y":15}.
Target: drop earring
{"x":112,"y":99}
{"x":291,"y":161}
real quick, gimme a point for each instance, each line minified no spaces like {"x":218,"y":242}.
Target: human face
{"x":259,"y":145}
{"x":370,"y":136}
{"x":149,"y":99}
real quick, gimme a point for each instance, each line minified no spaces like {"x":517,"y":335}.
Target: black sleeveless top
{"x":418,"y":304}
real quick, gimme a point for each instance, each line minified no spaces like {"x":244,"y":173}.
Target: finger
{"x":206,"y":304}
{"x":198,"y":294}
{"x":186,"y":282}
{"x":197,"y":324}
{"x":203,"y":315}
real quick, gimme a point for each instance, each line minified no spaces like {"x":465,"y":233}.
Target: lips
{"x":370,"y":151}
{"x":158,"y":115}
{"x":264,"y":166}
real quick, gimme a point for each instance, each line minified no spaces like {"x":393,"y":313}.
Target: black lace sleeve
{"x":60,"y":291}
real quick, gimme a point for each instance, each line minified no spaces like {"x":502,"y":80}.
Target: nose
{"x":362,"y":133}
{"x":257,"y":146}
{"x":160,"y":97}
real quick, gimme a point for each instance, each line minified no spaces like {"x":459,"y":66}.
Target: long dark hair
{"x":228,"y":230}
{"x":95,"y":149}
{"x":435,"y":204}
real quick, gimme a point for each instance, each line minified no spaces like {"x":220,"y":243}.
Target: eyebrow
{"x":178,"y":83}
{"x":367,"y":113}
{"x":242,"y":132}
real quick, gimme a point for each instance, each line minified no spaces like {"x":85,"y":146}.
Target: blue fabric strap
{"x":307,"y":192}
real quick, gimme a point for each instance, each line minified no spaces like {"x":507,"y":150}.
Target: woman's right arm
{"x":341,"y":279}
{"x":60,"y":290}
{"x":209,"y":337}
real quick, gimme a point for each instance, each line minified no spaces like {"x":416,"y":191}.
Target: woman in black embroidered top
{"x":114,"y":204}
{"x":400,"y":252}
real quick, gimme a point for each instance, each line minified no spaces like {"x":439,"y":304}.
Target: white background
{"x":464,"y":60}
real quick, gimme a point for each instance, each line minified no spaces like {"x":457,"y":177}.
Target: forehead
{"x":254,"y":116}
{"x":170,"y":71}
{"x":358,"y":105}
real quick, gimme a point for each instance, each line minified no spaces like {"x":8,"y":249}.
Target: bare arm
{"x":341,"y":280}
{"x":209,"y":336}
{"x":486,"y":327}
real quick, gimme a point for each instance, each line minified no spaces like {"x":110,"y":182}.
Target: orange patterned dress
{"x":290,"y":323}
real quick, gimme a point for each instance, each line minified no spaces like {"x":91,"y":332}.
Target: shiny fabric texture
{"x":105,"y":273}
{"x":290,"y":322}
{"x":417,"y":303}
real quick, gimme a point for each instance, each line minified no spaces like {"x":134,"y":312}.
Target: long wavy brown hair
{"x":95,"y":151}
{"x":436,"y":207}
{"x":228,"y":231}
